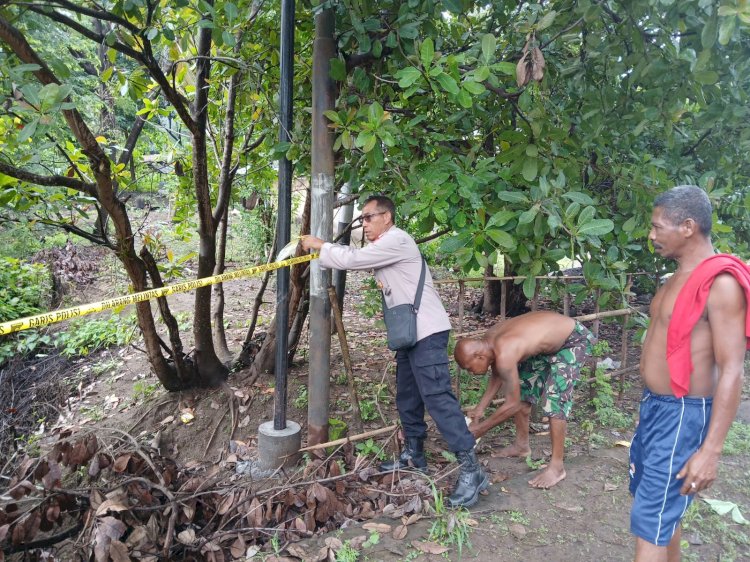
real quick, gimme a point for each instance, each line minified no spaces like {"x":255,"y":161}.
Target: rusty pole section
{"x":356,"y":412}
{"x":321,"y":191}
{"x":283,"y":223}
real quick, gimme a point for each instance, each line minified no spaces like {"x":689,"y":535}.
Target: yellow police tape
{"x":68,"y":313}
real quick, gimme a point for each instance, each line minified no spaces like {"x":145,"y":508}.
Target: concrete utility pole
{"x":321,"y":185}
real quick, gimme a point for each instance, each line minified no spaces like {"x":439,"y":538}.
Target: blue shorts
{"x":669,"y":431}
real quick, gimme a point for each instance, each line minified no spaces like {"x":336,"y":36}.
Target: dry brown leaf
{"x":226,"y":504}
{"x":429,"y":547}
{"x":499,"y":477}
{"x":118,"y":552}
{"x":296,"y":550}
{"x":53,"y":476}
{"x":186,"y":537}
{"x":522,"y":72}
{"x":121,"y":463}
{"x":399,"y":533}
{"x":107,"y":529}
{"x":238,"y":548}
{"x":537,"y":64}
{"x":20,"y":489}
{"x":357,"y":542}
{"x":334,"y":543}
{"x":381,"y":528}
{"x":413,"y":518}
{"x":517,"y":530}
{"x":320,"y":492}
{"x":137,"y":537}
{"x":189,"y":510}
{"x":52,"y":513}
{"x":110,"y":505}
{"x":390,"y":510}
{"x":255,"y":514}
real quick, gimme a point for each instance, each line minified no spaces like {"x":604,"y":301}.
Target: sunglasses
{"x":369,"y":216}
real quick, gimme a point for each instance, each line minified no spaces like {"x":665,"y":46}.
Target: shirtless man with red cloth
{"x":692,"y":366}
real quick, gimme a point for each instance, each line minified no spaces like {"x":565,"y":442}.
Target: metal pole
{"x":283,"y":223}
{"x":321,"y":212}
{"x":346,"y":214}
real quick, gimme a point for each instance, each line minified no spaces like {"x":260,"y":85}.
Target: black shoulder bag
{"x":401,"y":320}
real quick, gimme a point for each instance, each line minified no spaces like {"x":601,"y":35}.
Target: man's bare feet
{"x":514,"y":450}
{"x":547,"y":478}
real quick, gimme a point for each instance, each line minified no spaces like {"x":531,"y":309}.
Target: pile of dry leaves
{"x":106,"y":497}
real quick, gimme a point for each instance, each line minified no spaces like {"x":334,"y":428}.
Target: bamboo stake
{"x":582,"y":318}
{"x":595,"y":325}
{"x":461,"y":288}
{"x":356,"y":413}
{"x":503,"y":298}
{"x":358,"y":437}
{"x":624,"y":356}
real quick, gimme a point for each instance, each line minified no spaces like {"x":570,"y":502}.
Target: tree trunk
{"x":491,"y":294}
{"x":219,"y":333}
{"x":264,"y":359}
{"x":213,"y":372}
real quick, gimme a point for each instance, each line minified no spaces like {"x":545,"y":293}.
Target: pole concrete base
{"x":278,"y":447}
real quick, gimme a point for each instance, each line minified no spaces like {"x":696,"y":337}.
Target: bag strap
{"x":420,"y":286}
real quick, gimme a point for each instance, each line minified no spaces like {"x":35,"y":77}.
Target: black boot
{"x":471,"y":480}
{"x":413,"y":452}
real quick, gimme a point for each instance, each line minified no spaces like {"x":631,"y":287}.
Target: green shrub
{"x":86,"y":335}
{"x":25,"y":289}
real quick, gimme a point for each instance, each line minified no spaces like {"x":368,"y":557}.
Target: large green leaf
{"x":530,"y":168}
{"x":502,"y":238}
{"x":407,"y":76}
{"x":512,"y":196}
{"x":447,"y":83}
{"x":427,"y":51}
{"x":596,"y":227}
{"x":489,"y":44}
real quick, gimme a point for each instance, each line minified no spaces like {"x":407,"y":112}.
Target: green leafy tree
{"x":202,"y":74}
{"x":541,"y":131}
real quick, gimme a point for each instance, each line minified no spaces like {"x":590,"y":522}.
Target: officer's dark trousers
{"x":423,"y":381}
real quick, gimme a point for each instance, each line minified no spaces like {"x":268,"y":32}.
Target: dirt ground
{"x":585,"y":517}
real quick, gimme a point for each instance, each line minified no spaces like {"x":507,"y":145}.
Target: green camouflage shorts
{"x":554,"y":376}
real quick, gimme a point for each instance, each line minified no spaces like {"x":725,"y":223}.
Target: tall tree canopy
{"x":542,"y":130}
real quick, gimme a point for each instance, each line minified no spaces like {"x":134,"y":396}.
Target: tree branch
{"x":54,"y":180}
{"x":688,"y":151}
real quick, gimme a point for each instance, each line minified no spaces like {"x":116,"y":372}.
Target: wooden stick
{"x":461,"y":290}
{"x":582,"y":318}
{"x":343,"y":440}
{"x":357,"y":414}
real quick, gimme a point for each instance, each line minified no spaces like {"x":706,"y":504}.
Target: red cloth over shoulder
{"x":688,"y":309}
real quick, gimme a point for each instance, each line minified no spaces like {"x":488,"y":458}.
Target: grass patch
{"x":738,"y":439}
